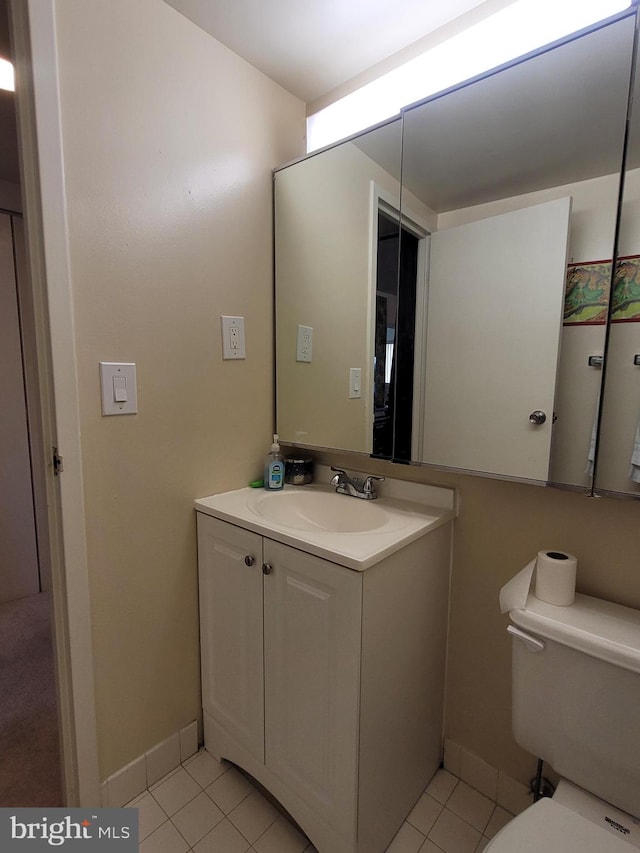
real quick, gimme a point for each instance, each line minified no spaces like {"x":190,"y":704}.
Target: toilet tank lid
{"x":598,"y":628}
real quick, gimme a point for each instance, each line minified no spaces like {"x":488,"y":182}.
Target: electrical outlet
{"x":304,"y":349}
{"x":233,"y":346}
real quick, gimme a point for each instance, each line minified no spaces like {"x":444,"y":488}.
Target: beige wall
{"x":324,"y":266}
{"x":169,"y":141}
{"x":501,"y":527}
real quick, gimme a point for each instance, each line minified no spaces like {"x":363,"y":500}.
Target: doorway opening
{"x":30,"y":756}
{"x":395,"y":338}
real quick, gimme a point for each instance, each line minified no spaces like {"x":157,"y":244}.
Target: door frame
{"x":381,"y":199}
{"x":33,"y":32}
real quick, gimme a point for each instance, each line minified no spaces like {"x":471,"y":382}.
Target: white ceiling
{"x":310,"y":47}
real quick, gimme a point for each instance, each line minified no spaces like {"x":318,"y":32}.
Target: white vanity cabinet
{"x":323,"y":682}
{"x":281,"y":662}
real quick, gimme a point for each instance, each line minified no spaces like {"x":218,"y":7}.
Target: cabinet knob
{"x":266,"y":568}
{"x":249,"y":561}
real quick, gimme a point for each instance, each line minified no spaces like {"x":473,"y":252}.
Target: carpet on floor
{"x":30,"y":767}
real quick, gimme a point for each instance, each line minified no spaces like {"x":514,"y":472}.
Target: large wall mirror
{"x":442,"y":280}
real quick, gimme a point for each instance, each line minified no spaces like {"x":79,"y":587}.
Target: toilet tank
{"x":576,"y":702}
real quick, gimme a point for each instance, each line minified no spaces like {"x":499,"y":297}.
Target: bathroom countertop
{"x":401,"y":521}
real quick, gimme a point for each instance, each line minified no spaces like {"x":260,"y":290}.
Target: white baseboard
{"x":125,"y":784}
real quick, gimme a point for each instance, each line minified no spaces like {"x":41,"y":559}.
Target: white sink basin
{"x":350,"y":531}
{"x":326,"y":511}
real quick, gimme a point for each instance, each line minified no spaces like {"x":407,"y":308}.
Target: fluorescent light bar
{"x":7,"y":80}
{"x":520,"y":28}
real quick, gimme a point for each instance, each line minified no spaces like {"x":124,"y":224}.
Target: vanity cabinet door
{"x":231,"y":636}
{"x":312,"y":616}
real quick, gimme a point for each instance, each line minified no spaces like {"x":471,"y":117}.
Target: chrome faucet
{"x":354,"y":486}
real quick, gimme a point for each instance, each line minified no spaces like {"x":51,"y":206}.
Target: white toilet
{"x":576,"y":704}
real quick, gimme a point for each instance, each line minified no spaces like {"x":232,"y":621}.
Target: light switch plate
{"x":119,"y":388}
{"x":355,"y":383}
{"x":233,"y":345}
{"x":304,"y":348}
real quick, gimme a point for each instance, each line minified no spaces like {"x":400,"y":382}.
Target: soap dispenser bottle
{"x":274,"y":468}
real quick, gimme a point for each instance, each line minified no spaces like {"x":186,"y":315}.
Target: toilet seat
{"x":548,"y":827}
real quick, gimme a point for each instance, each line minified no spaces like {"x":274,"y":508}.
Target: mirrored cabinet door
{"x":617,"y":467}
{"x":337,"y":222}
{"x":518,"y":175}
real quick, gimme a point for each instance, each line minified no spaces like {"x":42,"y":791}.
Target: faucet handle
{"x":337,"y":477}
{"x":367,"y":487}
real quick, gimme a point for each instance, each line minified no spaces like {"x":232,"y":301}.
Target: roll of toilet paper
{"x":556,"y":577}
{"x":513,"y":595}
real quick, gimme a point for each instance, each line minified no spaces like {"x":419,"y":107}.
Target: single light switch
{"x":118,"y":388}
{"x":355,"y":382}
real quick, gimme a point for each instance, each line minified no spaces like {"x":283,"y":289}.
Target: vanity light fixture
{"x":7,"y":80}
{"x":520,"y":28}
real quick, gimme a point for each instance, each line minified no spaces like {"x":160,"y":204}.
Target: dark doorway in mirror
{"x":394,"y":340}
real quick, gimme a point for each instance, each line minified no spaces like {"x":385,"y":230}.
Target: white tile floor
{"x":207,"y":807}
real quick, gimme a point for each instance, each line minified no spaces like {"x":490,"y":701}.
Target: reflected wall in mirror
{"x":617,"y":468}
{"x":496,"y":159}
{"x":336,"y":267}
